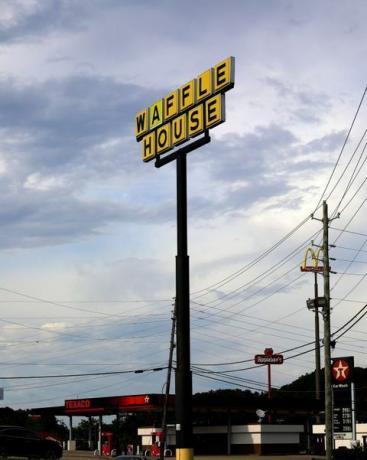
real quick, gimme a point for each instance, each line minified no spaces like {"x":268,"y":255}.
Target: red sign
{"x":340,"y":370}
{"x":78,"y":404}
{"x":268,"y":359}
{"x":114,"y":403}
{"x":133,"y":401}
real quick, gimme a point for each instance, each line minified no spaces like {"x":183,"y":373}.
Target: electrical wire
{"x":242,"y":270}
{"x":86,"y":374}
{"x":352,"y":177}
{"x":341,"y":151}
{"x":69,"y":307}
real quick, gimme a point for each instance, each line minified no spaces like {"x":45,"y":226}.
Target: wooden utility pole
{"x":327,"y":355}
{"x":168,"y":385}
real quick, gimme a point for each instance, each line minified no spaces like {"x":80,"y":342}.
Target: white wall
{"x":240,"y":434}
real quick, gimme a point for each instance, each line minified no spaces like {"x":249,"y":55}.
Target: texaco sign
{"x":342,"y":371}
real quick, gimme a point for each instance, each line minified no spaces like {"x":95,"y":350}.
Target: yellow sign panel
{"x":141,"y":123}
{"x":179,"y":130}
{"x":156,"y":114}
{"x":204,"y":85}
{"x":195,"y":121}
{"x":214,"y":111}
{"x":164,"y":138}
{"x":149,"y":149}
{"x":186,"y":112}
{"x":187,"y":95}
{"x":223,"y":75}
{"x":170,"y":105}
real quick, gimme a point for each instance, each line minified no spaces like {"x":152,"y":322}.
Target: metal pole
{"x":317,"y":342}
{"x":353,"y":397}
{"x":327,"y":354}
{"x":269,"y":390}
{"x":229,"y":432}
{"x":90,"y":432}
{"x":70,"y":427}
{"x":168,"y":386}
{"x":100,"y":422}
{"x":184,"y":439}
{"x":269,"y":381}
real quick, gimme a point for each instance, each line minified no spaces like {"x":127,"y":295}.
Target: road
{"x":82,"y":455}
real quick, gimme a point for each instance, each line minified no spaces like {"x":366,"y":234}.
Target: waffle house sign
{"x":186,"y":112}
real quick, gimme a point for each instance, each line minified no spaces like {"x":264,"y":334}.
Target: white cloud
{"x":88,"y":231}
{"x":36,"y":182}
{"x":54,"y":326}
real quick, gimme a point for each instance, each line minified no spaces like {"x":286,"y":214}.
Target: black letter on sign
{"x":219,"y":74}
{"x":162,"y":139}
{"x":140,"y":122}
{"x":201,"y":91}
{"x":185,"y":94}
{"x":148,"y":145}
{"x":211,"y":111}
{"x":169,"y":103}
{"x":177,"y":133}
{"x":194,"y":120}
{"x":155,"y":115}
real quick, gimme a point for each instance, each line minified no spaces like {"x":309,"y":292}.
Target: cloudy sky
{"x":88,"y":231}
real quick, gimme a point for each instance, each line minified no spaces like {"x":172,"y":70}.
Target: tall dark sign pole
{"x":184,"y":440}
{"x":183,"y":371}
{"x":180,"y":116}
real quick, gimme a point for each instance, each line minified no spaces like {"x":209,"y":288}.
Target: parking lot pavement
{"x":83,"y":455}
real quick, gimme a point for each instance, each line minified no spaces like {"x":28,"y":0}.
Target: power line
{"x":262,"y":276}
{"x":242,"y":270}
{"x":293,"y":348}
{"x":341,"y":151}
{"x":352,"y":180}
{"x":63,"y":376}
{"x":349,"y":231}
{"x":352,"y":261}
{"x":349,"y":249}
{"x":353,"y":176}
{"x":51,"y":302}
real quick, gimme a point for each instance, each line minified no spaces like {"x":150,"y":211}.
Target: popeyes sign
{"x":269,"y":357}
{"x":186,"y":112}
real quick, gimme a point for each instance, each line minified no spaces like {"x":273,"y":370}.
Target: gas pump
{"x":107,"y":438}
{"x":156,"y":444}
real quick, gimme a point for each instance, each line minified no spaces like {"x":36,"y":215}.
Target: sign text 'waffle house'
{"x":185,"y":112}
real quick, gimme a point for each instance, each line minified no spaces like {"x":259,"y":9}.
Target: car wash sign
{"x":186,"y":112}
{"x":342,"y":370}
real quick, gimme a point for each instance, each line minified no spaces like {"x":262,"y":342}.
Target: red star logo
{"x":146,"y":399}
{"x":340,"y":370}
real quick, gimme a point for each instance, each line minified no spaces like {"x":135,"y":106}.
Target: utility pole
{"x":327,"y":355}
{"x":168,"y":385}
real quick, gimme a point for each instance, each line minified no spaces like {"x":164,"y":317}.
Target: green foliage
{"x":11,"y":417}
{"x":45,"y":423}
